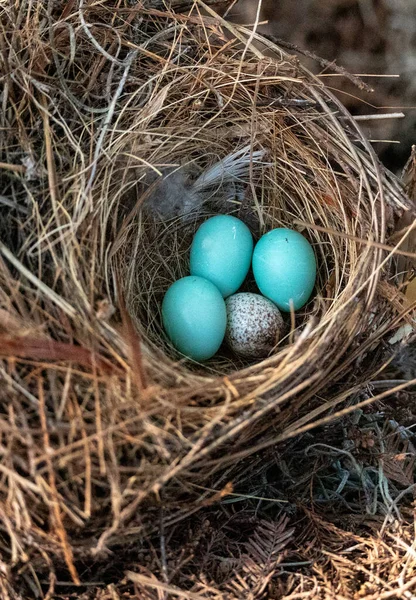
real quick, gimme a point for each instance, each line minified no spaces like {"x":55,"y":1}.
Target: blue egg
{"x":221,"y":252}
{"x":284,"y":268}
{"x":194,"y":317}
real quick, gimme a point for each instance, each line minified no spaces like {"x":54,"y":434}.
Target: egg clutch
{"x":203,"y":310}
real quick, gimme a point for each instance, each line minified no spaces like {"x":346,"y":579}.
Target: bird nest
{"x":107,"y":109}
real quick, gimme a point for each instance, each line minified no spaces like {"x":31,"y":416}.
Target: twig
{"x":13,"y":204}
{"x":158,"y":585}
{"x":106,"y":123}
{"x":14,"y":168}
{"x":378,"y":117}
{"x":55,"y":505}
{"x":348,"y":236}
{"x":327,"y":64}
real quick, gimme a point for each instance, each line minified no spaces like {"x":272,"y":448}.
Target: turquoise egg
{"x":284,"y":268}
{"x":194,"y":317}
{"x":221,"y":252}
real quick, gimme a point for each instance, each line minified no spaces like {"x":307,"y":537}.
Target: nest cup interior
{"x":306,"y":178}
{"x":161,"y":256}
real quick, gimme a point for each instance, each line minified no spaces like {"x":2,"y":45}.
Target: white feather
{"x":175,"y":195}
{"x":233,"y":167}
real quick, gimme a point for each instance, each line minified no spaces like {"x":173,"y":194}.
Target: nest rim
{"x":184,"y":423}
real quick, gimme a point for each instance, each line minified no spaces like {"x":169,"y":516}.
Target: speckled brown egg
{"x":254,"y":325}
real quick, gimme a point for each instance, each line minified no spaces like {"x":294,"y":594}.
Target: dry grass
{"x":109,"y":443}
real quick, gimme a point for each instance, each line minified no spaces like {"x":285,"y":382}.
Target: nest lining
{"x":308,"y":176}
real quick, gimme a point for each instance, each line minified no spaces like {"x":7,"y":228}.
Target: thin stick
{"x":158,"y":585}
{"x":398,"y":115}
{"x":55,"y":504}
{"x":354,"y":238}
{"x":47,"y":291}
{"x":14,"y":168}
{"x":386,"y":76}
{"x":128,"y":62}
{"x":326,"y":64}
